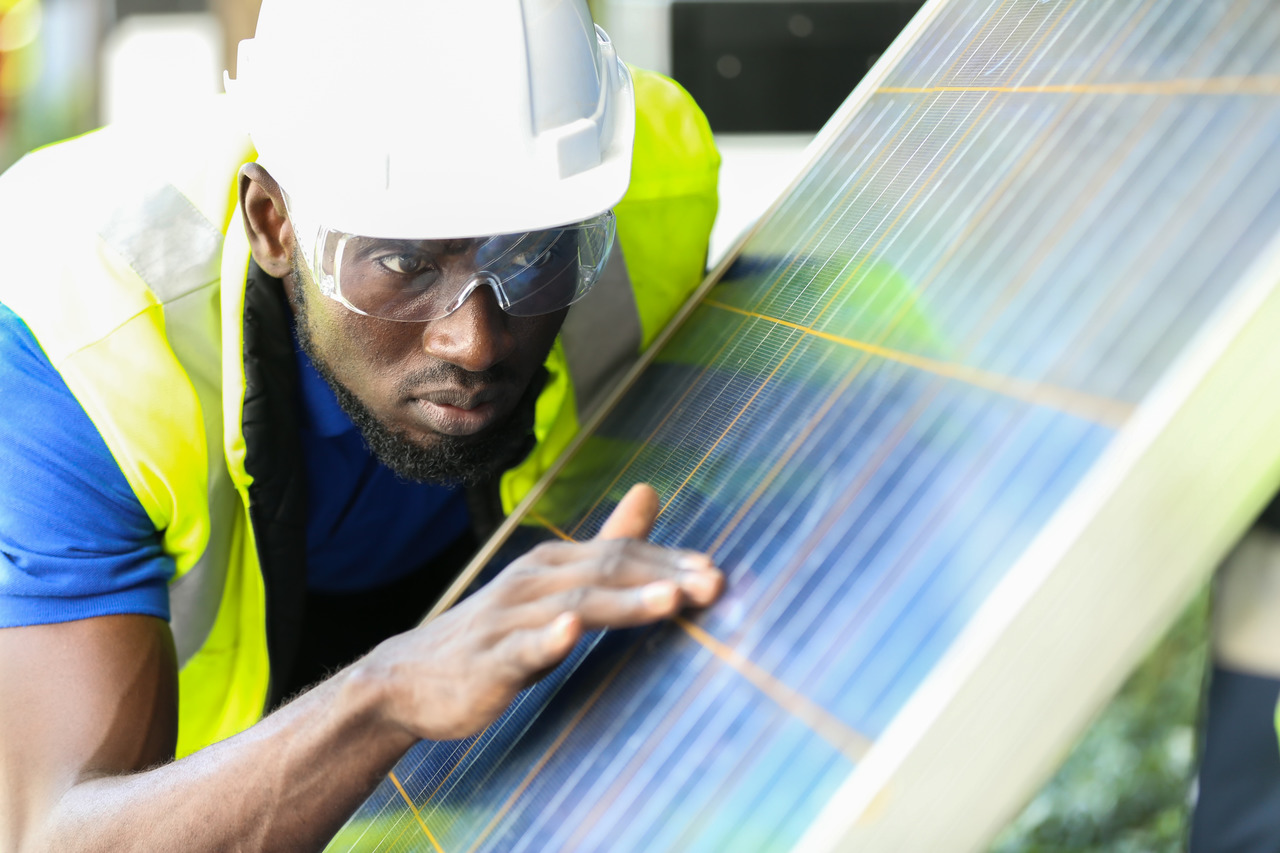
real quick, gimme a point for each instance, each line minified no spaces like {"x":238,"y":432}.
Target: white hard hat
{"x":437,"y":118}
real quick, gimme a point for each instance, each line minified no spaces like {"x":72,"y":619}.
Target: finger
{"x":634,"y":515}
{"x":601,"y":607}
{"x":525,"y":653}
{"x":558,"y":567}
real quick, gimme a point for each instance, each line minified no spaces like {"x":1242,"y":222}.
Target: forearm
{"x":88,"y":694}
{"x":286,"y":783}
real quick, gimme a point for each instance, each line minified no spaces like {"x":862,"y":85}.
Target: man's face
{"x":447,"y":400}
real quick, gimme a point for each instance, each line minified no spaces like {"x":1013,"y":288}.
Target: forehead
{"x":435,"y":247}
{"x":486,"y":246}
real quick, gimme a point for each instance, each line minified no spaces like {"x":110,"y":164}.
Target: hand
{"x":456,"y":674}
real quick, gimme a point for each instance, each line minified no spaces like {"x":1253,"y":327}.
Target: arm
{"x":88,"y":706}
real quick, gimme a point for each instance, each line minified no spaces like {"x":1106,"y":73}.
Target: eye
{"x":532,"y":259}
{"x":539,"y":256}
{"x":405,"y":263}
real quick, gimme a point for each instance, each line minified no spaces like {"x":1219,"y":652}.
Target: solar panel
{"x":967,"y":419}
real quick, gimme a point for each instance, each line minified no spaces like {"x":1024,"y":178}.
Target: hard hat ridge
{"x":438,"y":118}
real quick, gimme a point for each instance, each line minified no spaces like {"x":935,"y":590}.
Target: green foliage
{"x":1125,"y":786}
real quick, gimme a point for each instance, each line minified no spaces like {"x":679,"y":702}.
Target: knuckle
{"x":543,"y":552}
{"x":521,"y":655}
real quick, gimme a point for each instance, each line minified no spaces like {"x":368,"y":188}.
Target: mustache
{"x":449,"y":375}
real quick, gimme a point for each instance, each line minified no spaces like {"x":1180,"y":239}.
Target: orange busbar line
{"x":422,"y":823}
{"x":553,"y":748}
{"x":832,"y":729}
{"x":823,"y":723}
{"x":546,"y":522}
{"x":1112,"y":413}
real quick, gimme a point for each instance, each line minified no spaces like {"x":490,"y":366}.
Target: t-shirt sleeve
{"x":74,"y":540}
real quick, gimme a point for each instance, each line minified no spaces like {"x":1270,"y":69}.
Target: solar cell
{"x":966,"y":418}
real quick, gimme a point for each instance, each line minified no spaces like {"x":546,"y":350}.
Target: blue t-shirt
{"x":75,"y":542}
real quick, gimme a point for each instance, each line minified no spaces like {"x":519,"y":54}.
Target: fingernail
{"x":562,"y":627}
{"x":702,"y":585}
{"x":659,"y":595}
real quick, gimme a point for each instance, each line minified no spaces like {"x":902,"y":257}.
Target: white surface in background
{"x":756,"y":168}
{"x":640,"y":30}
{"x":153,"y":63}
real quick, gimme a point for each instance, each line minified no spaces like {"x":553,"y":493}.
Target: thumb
{"x":634,"y":515}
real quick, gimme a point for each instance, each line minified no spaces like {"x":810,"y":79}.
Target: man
{"x":187,"y":506}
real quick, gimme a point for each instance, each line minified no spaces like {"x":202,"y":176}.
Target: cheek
{"x":358,"y":351}
{"x":535,"y":335}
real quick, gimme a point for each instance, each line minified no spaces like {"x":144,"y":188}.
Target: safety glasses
{"x":411,"y":281}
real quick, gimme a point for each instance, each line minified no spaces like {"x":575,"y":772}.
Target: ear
{"x":266,"y":222}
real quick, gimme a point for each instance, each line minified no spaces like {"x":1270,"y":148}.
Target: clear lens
{"x":532,"y":273}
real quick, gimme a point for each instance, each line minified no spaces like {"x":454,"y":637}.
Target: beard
{"x":466,"y":460}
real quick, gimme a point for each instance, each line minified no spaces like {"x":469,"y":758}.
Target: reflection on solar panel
{"x":967,"y":418}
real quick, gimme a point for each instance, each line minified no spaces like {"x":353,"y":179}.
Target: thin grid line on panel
{"x":498,"y":723}
{"x":490,"y":730}
{"x":1052,"y":238}
{"x":599,"y":750}
{"x":640,"y":449}
{"x":1219,"y":86}
{"x":999,"y":194}
{"x":865,"y":252}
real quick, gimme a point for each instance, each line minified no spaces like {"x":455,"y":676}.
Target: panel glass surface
{"x":903,"y":374}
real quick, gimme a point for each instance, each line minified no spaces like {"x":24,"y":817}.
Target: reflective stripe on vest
{"x":177,"y":251}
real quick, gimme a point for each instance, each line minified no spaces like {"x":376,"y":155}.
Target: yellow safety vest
{"x":116,"y":246}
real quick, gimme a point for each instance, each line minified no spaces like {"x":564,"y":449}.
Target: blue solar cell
{"x":1011,"y":235}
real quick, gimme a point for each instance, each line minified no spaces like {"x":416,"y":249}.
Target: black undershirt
{"x":338,"y":628}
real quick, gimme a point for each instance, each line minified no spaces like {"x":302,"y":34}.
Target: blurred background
{"x":768,"y":73}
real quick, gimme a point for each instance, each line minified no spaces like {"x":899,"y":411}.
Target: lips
{"x":457,"y":412}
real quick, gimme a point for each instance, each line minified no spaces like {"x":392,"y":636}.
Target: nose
{"x":474,"y":337}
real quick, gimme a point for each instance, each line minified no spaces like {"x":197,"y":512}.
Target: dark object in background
{"x":125,"y":8}
{"x":756,"y":66}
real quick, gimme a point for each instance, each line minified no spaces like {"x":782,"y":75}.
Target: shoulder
{"x":74,"y":540}
{"x":674,"y":146}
